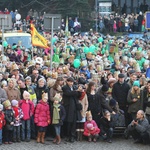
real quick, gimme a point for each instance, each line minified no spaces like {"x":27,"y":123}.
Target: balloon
{"x":100,"y":39}
{"x":18,"y":17}
{"x":92,"y":49}
{"x":86,"y":50}
{"x":76,"y":63}
{"x":130,"y":42}
{"x":5,"y":44}
{"x":140,"y":48}
{"x":89,"y":126}
{"x":54,"y":40}
{"x":14,"y":47}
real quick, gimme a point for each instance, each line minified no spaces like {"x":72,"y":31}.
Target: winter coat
{"x":105,"y":125}
{"x":2,"y":120}
{"x":9,"y":117}
{"x":141,"y":127}
{"x":69,"y":102}
{"x":134,"y":106}
{"x":13,"y":93}
{"x":53,"y":93}
{"x":3,"y":95}
{"x":85,"y":104}
{"x":62,"y":114}
{"x":19,"y":117}
{"x":39,"y":91}
{"x":146,"y":102}
{"x":27,"y":109}
{"x":120,"y":93}
{"x":87,"y":130}
{"x":42,"y":114}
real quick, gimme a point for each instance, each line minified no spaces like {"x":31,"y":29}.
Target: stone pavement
{"x":118,"y":144}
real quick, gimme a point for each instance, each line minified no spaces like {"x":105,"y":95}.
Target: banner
{"x":38,"y":39}
{"x":66,"y":28}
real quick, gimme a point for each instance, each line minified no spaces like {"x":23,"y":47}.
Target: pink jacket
{"x":27,"y":109}
{"x":42,"y":114}
{"x":87,"y":131}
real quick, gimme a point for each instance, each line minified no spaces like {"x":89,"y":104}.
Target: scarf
{"x":16,"y":110}
{"x":82,"y":95}
{"x":56,"y":116}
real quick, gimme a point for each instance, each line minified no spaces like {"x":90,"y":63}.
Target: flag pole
{"x":66,"y":33}
{"x":51,"y":44}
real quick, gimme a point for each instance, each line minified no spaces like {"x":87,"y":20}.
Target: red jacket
{"x":2,"y":120}
{"x":27,"y":109}
{"x":88,"y":131}
{"x":42,"y":114}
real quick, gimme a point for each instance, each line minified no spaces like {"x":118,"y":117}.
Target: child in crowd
{"x":2,"y":122}
{"x":106,"y":125}
{"x":42,"y":117}
{"x":59,"y":115}
{"x":17,"y":124}
{"x":9,"y":117}
{"x":91,"y":129}
{"x":27,"y":107}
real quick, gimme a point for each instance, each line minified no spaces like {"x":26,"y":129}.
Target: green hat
{"x":136,"y":83}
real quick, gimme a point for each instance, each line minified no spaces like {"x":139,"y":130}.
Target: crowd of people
{"x":95,"y":85}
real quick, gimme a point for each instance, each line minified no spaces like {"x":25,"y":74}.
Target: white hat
{"x":39,"y":60}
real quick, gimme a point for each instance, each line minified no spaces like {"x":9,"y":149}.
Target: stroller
{"x":118,"y":118}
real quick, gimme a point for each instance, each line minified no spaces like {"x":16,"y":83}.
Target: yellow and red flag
{"x":37,"y":38}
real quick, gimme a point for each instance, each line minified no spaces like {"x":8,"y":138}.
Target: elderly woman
{"x":11,"y":90}
{"x":134,"y":99}
{"x":41,"y":88}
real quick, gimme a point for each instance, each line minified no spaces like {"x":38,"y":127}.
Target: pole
{"x":51,"y":43}
{"x":96,"y":13}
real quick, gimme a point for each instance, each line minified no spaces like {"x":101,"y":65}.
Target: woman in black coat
{"x":97,"y":101}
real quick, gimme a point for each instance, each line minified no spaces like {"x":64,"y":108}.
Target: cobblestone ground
{"x":118,"y":144}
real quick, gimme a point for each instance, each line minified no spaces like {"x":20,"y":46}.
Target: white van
{"x":15,"y":37}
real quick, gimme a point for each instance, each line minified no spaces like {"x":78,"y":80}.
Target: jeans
{"x":16,"y":133}
{"x":110,"y":133}
{"x":1,"y":136}
{"x":33,"y":131}
{"x":57,"y":129}
{"x":25,"y":128}
{"x":8,"y":135}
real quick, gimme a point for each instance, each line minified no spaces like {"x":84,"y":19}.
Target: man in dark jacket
{"x":120,"y":92}
{"x":70,"y":98}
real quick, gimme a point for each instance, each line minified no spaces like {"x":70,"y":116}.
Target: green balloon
{"x":130,"y":42}
{"x":5,"y":44}
{"x":140,"y":49}
{"x":53,"y":41}
{"x":100,"y":39}
{"x":14,"y":47}
{"x":76,"y":63}
{"x":86,"y":50}
{"x":92,"y":49}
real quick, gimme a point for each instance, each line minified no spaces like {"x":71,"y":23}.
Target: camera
{"x":136,"y":120}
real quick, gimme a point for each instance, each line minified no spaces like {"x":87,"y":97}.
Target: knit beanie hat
{"x":105,"y":88}
{"x":6,"y":103}
{"x":1,"y":107}
{"x":112,"y":102}
{"x":136,"y":83}
{"x":14,"y":102}
{"x":25,"y":93}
